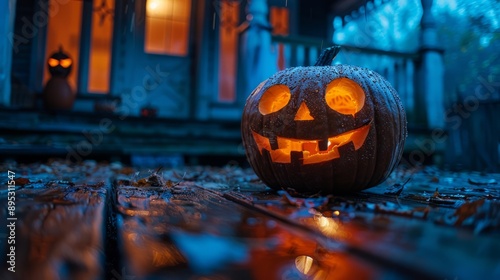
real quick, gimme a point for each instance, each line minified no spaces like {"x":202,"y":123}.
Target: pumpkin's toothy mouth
{"x":311,"y":149}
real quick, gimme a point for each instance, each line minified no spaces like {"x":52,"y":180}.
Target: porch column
{"x":431,"y":76}
{"x":7,"y":16}
{"x":259,"y":61}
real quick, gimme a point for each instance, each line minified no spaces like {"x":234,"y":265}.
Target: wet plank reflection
{"x":188,"y":232}
{"x":107,"y":221}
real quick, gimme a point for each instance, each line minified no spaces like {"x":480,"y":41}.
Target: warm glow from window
{"x":100,"y":51}
{"x":63,"y":29}
{"x":229,"y":20}
{"x":279,"y":18}
{"x":167,"y":27}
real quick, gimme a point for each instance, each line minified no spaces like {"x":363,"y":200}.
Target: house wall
{"x":7,"y":10}
{"x":143,"y":79}
{"x":22,"y":51}
{"x":206,"y":57}
{"x":179,"y":87}
{"x":313,"y":19}
{"x":139,"y":79}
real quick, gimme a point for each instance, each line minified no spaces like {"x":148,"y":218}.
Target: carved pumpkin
{"x":57,"y":93}
{"x":60,"y":64}
{"x":333,"y":129}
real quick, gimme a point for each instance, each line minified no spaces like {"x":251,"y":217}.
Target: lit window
{"x":167,"y":27}
{"x":63,"y":30}
{"x":279,"y":20}
{"x":228,"y":52}
{"x":100,"y":49}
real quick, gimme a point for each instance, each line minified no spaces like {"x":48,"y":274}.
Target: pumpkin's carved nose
{"x":303,"y":113}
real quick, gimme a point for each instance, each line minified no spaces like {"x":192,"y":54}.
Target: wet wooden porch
{"x":108,"y":221}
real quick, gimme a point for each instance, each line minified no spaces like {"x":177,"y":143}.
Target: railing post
{"x":431,"y":71}
{"x":259,"y":62}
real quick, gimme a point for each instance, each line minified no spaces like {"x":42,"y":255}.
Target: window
{"x":228,"y":52}
{"x":279,"y":20}
{"x":167,"y":27}
{"x":100,"y":47}
{"x":63,"y":30}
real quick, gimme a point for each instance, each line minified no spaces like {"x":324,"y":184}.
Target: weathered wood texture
{"x":185,"y":232}
{"x":408,"y":228}
{"x":223,"y":223}
{"x":60,"y":223}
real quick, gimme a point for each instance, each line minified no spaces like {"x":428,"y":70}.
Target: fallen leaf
{"x":480,"y":214}
{"x":436,"y":193}
{"x":21,"y":181}
{"x":127,"y":171}
{"x":141,"y":183}
{"x":156,"y":180}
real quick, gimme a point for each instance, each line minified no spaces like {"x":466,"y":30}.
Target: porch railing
{"x":398,"y":68}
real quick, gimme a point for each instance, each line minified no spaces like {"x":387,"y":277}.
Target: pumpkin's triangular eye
{"x":303,"y":114}
{"x":66,"y":62}
{"x":345,"y":96}
{"x":274,"y":99}
{"x":53,"y":62}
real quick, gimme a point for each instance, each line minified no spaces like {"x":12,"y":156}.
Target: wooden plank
{"x":60,"y":228}
{"x":413,"y":230}
{"x":181,"y":231}
{"x":224,"y":223}
{"x":59,"y":232}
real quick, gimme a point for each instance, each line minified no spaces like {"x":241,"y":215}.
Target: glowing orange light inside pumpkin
{"x":303,"y":114}
{"x":310,"y":148}
{"x":53,"y":62}
{"x":66,"y":62}
{"x":345,"y":96}
{"x":274,"y":99}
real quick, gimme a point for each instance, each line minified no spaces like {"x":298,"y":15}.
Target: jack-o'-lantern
{"x":57,"y":93}
{"x":323,"y":128}
{"x":60,"y":64}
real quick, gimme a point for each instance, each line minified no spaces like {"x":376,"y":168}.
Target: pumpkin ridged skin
{"x":355,"y":170}
{"x":58,"y":95}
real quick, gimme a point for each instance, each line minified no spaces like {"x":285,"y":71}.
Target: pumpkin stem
{"x":327,"y":55}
